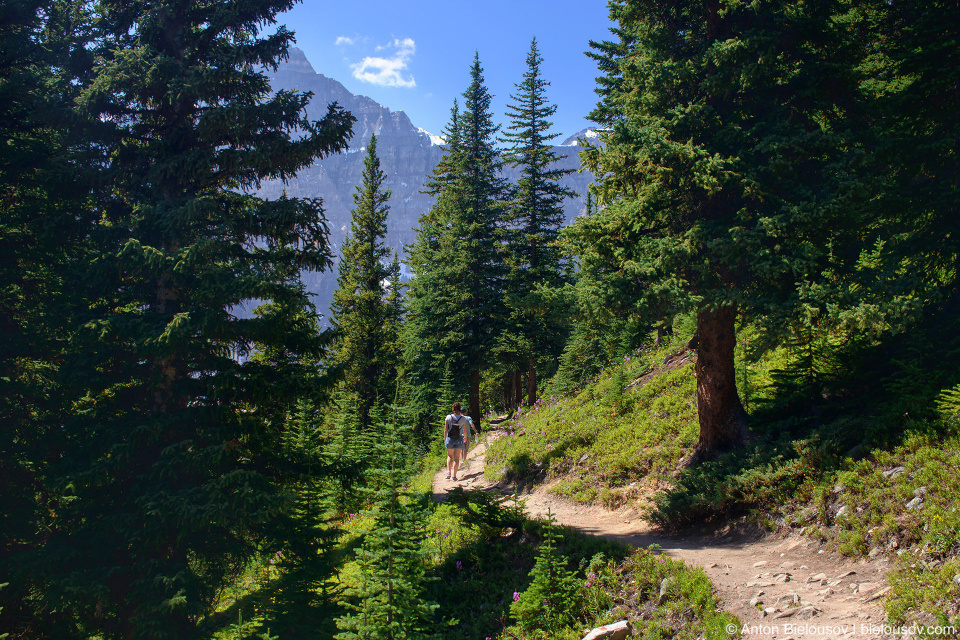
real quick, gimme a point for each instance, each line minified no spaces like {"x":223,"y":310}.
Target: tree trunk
{"x":723,"y":421}
{"x":508,"y":391}
{"x":517,"y":389}
{"x":531,"y":382}
{"x":475,"y":397}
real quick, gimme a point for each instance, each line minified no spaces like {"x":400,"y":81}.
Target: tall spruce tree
{"x":911,"y":60}
{"x":722,"y":182}
{"x":46,"y":210}
{"x":456,"y":256}
{"x":430,"y":333}
{"x":536,"y":328}
{"x":364,"y":305}
{"x":163,"y":471}
{"x":477,"y":231}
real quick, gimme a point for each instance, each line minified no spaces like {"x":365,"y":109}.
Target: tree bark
{"x":531,"y":382}
{"x":517,"y":389}
{"x":475,"y":397}
{"x":723,"y":421}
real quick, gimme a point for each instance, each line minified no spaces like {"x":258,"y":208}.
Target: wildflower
{"x":516,"y":596}
{"x":459,"y":565}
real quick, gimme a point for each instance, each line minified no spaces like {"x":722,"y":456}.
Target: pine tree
{"x":165,"y":472}
{"x":456,"y":256}
{"x":44,"y":199}
{"x":433,"y":331}
{"x":389,"y":600}
{"x":555,"y":595}
{"x":912,"y":65}
{"x":478,"y":231}
{"x":724,"y":185}
{"x":365,"y":305}
{"x":536,"y":329}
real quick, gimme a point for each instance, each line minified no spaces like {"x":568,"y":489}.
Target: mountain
{"x":407,"y":156}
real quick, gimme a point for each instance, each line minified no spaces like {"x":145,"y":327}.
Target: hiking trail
{"x":781,"y":587}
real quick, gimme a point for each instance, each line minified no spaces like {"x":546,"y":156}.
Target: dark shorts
{"x":455,"y":443}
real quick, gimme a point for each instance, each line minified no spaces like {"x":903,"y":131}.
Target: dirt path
{"x":780,"y":587}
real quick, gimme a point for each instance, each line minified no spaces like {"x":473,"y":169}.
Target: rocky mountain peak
{"x":297,"y":62}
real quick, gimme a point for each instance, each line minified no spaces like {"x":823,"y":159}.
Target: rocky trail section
{"x":781,"y":587}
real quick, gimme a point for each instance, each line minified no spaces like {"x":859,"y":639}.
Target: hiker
{"x":456,"y":434}
{"x":474,"y":430}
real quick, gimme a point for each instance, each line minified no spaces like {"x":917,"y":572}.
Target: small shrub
{"x":555,"y":596}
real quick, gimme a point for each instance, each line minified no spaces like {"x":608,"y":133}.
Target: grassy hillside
{"x":864,"y":463}
{"x":618,"y":438}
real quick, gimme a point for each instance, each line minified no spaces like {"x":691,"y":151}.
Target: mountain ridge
{"x":407,"y":154}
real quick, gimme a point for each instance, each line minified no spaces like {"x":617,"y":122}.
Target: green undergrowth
{"x":494,"y":574}
{"x":485,"y":556}
{"x":854,"y":444}
{"x":901,"y":503}
{"x":626,"y":431}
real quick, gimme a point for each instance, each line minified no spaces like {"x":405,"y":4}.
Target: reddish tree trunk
{"x":475,"y":397}
{"x":517,"y":388}
{"x":508,"y":399}
{"x":723,"y":422}
{"x":531,"y":383}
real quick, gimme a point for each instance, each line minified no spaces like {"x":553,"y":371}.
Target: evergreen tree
{"x":723,"y":182}
{"x":477,"y":230}
{"x":389,"y":600}
{"x":430,"y":334}
{"x":535,"y":329}
{"x":44,"y":199}
{"x":555,"y":594}
{"x":456,"y":257}
{"x":911,"y":61}
{"x":164,"y":470}
{"x":365,"y":305}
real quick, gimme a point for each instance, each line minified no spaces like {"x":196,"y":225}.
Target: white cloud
{"x":344,"y":40}
{"x":388,"y":71}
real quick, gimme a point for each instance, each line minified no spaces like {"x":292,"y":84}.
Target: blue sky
{"x":415,"y":56}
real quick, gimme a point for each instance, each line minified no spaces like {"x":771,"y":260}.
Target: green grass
{"x":480,"y":550}
{"x":483,"y":554}
{"x":628,"y":426}
{"x":826,"y":443}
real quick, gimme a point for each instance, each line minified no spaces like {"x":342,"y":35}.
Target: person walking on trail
{"x":455,"y":437}
{"x":474,"y":430}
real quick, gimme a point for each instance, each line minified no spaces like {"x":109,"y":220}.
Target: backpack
{"x":458,"y":423}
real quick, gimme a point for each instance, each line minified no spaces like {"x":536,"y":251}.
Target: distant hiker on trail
{"x":455,"y":437}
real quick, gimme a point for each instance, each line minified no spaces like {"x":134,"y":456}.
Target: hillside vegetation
{"x":850,"y":467}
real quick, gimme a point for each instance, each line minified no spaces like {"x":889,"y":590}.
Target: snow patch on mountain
{"x":435,"y":140}
{"x":574,"y":140}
